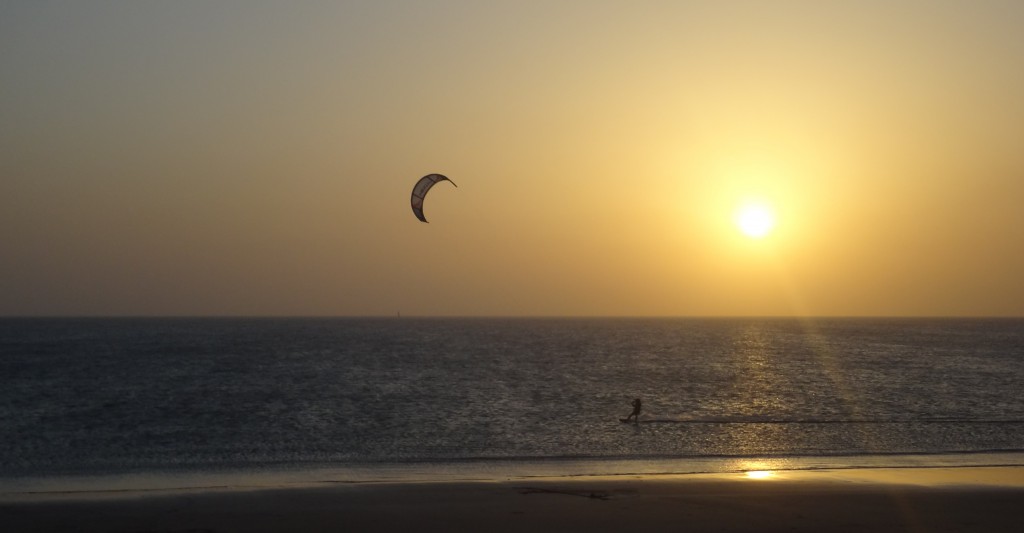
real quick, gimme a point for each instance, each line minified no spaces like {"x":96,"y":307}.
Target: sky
{"x":254,"y":158}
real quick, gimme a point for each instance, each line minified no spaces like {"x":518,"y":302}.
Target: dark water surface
{"x":112,"y":396}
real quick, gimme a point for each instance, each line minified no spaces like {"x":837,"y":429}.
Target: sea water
{"x":118,"y":396}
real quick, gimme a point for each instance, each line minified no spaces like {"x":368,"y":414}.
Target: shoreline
{"x":493,"y":470}
{"x":968,"y":498}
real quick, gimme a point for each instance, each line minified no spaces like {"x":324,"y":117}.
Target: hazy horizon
{"x":399,"y":316}
{"x":256,"y":158}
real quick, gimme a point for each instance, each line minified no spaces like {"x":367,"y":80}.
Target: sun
{"x":755,"y":220}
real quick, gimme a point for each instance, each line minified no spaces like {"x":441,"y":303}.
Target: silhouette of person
{"x":635,"y":415}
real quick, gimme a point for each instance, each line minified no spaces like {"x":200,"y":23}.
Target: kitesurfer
{"x":635,"y":415}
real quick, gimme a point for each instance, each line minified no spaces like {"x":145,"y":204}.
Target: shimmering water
{"x":111,"y":396}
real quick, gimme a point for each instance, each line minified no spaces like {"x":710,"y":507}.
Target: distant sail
{"x":419,"y":192}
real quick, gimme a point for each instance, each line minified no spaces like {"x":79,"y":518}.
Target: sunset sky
{"x":257,"y":158}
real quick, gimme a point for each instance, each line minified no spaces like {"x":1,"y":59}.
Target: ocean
{"x":361,"y":397}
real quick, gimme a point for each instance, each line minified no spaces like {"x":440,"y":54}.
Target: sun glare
{"x":755,"y":220}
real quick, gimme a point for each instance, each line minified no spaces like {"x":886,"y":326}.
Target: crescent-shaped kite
{"x":419,"y":192}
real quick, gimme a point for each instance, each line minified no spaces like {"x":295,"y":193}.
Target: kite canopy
{"x":419,"y":192}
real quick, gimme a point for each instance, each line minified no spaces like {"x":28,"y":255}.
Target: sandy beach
{"x":915,"y":500}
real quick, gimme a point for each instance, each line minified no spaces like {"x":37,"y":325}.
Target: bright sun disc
{"x":755,"y":220}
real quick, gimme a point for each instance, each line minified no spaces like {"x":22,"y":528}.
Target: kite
{"x":419,"y":192}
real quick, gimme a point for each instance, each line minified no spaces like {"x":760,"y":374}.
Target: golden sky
{"x":256,"y":158}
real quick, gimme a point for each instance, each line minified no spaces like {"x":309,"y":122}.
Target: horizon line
{"x":496,"y":316}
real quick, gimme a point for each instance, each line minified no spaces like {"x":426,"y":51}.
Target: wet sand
{"x":986,"y":499}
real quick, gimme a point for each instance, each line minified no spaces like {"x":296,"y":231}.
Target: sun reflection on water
{"x":760,"y":469}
